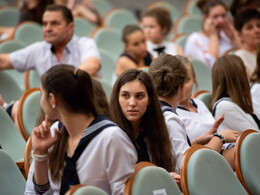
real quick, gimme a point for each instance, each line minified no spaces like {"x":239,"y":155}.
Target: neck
{"x":136,"y":128}
{"x":186,"y":104}
{"x":76,"y":124}
{"x":59,"y":47}
{"x":138,"y":59}
{"x":249,"y":48}
{"x":173,"y":101}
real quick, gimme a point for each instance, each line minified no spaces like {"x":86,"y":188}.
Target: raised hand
{"x":206,"y":137}
{"x":42,"y":139}
{"x":209,"y":27}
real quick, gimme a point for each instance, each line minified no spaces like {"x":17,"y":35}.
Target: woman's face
{"x":133,"y":100}
{"x":188,"y":85}
{"x":250,"y":33}
{"x":152,"y":30}
{"x":218,"y":14}
{"x":136,"y":44}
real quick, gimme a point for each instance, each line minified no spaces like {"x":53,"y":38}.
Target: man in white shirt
{"x":59,"y":46}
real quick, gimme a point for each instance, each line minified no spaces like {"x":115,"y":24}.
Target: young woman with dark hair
{"x":88,"y":149}
{"x":136,"y":109}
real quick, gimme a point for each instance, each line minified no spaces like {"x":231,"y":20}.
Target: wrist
{"x":220,"y":137}
{"x":39,"y":157}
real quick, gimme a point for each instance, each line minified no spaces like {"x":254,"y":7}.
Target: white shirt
{"x":197,"y":123}
{"x":40,"y":57}
{"x":170,"y":48}
{"x":178,"y":136}
{"x":107,"y":162}
{"x":235,"y":117}
{"x":197,"y":47}
{"x":255,"y":92}
{"x":248,"y":58}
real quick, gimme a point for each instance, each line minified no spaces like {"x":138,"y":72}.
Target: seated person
{"x":84,"y":9}
{"x":169,"y":76}
{"x":193,"y":112}
{"x":136,"y":109}
{"x":59,"y":46}
{"x":216,"y":37}
{"x":231,"y":94}
{"x":247,"y":24}
{"x":157,"y":24}
{"x":135,"y":54}
{"x":88,"y":148}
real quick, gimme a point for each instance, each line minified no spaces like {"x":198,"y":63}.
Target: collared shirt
{"x":170,"y":48}
{"x":40,"y":56}
{"x":197,"y":123}
{"x":235,"y":117}
{"x":178,"y":134}
{"x":107,"y":162}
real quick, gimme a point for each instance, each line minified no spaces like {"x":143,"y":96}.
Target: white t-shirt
{"x":170,"y":48}
{"x":197,"y":47}
{"x":39,"y":56}
{"x":197,"y":123}
{"x":255,"y":92}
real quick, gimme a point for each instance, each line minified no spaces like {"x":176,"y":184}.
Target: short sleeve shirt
{"x":40,"y":56}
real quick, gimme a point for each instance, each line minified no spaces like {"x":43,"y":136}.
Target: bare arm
{"x":5,"y":62}
{"x":123,"y":64}
{"x":41,"y":142}
{"x":179,"y":50}
{"x":91,"y":65}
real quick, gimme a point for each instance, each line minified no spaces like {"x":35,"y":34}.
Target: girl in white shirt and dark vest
{"x":88,"y":149}
{"x":135,"y":54}
{"x":170,"y":77}
{"x":157,"y":24}
{"x":136,"y":109}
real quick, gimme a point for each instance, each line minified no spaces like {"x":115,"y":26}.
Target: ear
{"x":125,"y":47}
{"x":53,"y":100}
{"x":164,"y":31}
{"x":203,"y":17}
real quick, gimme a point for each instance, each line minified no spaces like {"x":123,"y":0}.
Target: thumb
{"x":218,"y":121}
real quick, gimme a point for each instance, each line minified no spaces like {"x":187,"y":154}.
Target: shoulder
{"x":172,"y":118}
{"x":226,"y":105}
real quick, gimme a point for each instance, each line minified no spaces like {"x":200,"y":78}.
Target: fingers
{"x":218,"y":121}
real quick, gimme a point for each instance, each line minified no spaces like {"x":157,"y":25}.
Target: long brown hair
{"x":230,"y":79}
{"x":157,"y":137}
{"x":74,"y":88}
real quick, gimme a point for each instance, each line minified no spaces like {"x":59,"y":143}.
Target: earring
{"x":53,"y":106}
